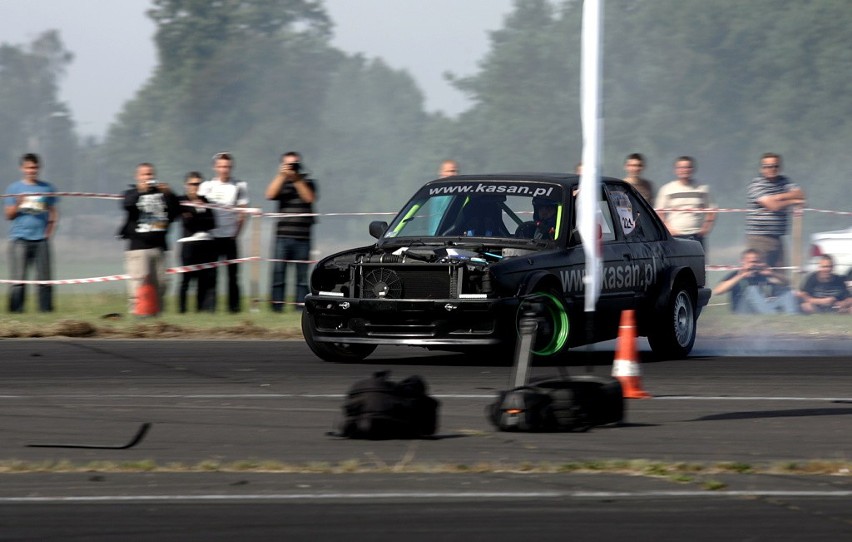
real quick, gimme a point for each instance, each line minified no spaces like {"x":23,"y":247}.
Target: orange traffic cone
{"x":147,"y":299}
{"x":626,"y":366}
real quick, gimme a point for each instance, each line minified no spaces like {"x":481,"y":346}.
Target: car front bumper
{"x":444,"y":322}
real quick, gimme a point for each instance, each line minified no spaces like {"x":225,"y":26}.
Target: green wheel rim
{"x":561,"y":326}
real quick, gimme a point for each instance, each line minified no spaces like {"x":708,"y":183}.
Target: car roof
{"x":833,"y":234}
{"x":565,"y":179}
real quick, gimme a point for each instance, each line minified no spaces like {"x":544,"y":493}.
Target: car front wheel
{"x":674,"y":333}
{"x":334,"y":352}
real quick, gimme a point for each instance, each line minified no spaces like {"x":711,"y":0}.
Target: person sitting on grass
{"x":757,"y":289}
{"x":823,"y":291}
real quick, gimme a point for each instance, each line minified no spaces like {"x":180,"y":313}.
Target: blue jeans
{"x":23,"y":254}
{"x":287,"y":248}
{"x":754,"y":302}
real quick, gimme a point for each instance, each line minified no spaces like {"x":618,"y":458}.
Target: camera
{"x":295,"y":166}
{"x":756,"y":269}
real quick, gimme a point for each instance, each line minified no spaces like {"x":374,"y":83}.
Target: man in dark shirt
{"x":634,"y":165}
{"x":757,"y":289}
{"x":197,"y":247}
{"x":823,"y":291}
{"x":295,"y":194}
{"x":151,"y":207}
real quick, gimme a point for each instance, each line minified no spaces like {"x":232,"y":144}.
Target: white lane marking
{"x":342,"y":395}
{"x":428,"y":495}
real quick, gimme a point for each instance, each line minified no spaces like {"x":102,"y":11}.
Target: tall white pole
{"x":587,"y":203}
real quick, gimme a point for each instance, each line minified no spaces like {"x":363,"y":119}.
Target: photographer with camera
{"x":757,"y":289}
{"x":150,"y":206}
{"x":295,"y":194}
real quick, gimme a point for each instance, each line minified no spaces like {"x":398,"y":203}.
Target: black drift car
{"x":469,"y":255}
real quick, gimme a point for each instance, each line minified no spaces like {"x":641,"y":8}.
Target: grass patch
{"x":718,"y":321}
{"x":714,"y":485}
{"x":679,"y":472}
{"x":742,"y":468}
{"x":104,"y":315}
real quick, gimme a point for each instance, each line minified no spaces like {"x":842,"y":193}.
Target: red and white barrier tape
{"x":259,"y":212}
{"x":735,"y":210}
{"x":738,"y":267}
{"x":88,"y":280}
{"x":110,"y":278}
{"x":213,"y":265}
{"x":94,"y":195}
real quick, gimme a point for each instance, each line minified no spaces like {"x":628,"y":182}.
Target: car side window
{"x":646,"y":218}
{"x":607,"y":228}
{"x":633,"y":217}
{"x":604,"y":219}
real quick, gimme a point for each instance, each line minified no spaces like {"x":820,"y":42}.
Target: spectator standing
{"x":151,"y":207}
{"x":33,"y":223}
{"x":448,"y":168}
{"x":231,"y":194}
{"x":756,"y":288}
{"x":634,"y":165}
{"x":197,"y":247}
{"x":295,"y":194}
{"x":823,"y":291}
{"x":679,"y":203}
{"x":771,"y":196}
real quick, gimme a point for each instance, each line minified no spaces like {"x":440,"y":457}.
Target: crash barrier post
{"x":254,"y":281}
{"x":527,"y":328}
{"x":625,"y":366}
{"x":796,"y":257}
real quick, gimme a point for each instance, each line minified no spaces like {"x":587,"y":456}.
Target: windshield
{"x":482,"y":209}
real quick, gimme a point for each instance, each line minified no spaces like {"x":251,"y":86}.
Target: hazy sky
{"x":114,"y":53}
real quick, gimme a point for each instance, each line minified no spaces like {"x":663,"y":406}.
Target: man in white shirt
{"x":226,"y":191}
{"x":680,"y":203}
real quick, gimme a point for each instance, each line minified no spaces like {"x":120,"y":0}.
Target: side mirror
{"x":378,"y":228}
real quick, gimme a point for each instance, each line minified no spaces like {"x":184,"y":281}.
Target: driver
{"x":543,"y":224}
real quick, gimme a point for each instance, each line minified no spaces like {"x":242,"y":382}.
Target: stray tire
{"x":334,"y":352}
{"x":674,"y":334}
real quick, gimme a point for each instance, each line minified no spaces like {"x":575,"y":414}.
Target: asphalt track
{"x":772,"y":402}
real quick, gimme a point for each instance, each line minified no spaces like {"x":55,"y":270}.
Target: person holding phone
{"x":295,"y":193}
{"x":150,"y":208}
{"x":33,"y":212}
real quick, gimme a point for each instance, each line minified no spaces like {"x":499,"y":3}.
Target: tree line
{"x":722,"y":81}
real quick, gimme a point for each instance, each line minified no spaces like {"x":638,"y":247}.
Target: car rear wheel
{"x":334,"y":352}
{"x":674,"y":334}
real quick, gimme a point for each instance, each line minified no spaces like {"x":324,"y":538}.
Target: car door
{"x":617,"y":290}
{"x":641,"y":237}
